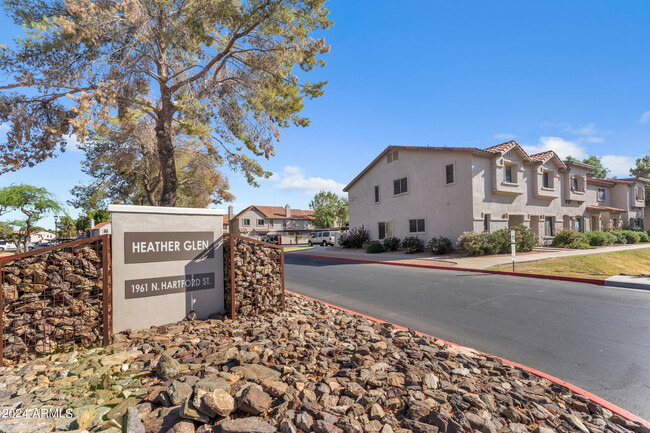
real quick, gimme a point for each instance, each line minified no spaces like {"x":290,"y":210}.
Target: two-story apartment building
{"x":257,"y":222}
{"x":445,"y":191}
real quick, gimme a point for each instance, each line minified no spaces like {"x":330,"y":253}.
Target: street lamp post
{"x":56,"y":225}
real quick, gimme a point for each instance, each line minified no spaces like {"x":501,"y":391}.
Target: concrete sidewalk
{"x":460,"y":260}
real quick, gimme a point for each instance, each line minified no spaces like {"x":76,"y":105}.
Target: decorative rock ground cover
{"x":309,"y":369}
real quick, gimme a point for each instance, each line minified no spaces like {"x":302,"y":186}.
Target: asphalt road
{"x":597,"y":338}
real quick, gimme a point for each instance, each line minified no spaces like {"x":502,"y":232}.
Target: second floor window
{"x":449,"y":174}
{"x":574,"y":183}
{"x":639,"y":194}
{"x":260,"y":222}
{"x":507,"y":173}
{"x":246,"y":222}
{"x":601,"y":194}
{"x":376,"y":193}
{"x":400,"y":186}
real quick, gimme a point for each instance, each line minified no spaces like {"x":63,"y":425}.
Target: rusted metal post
{"x":107,"y":295}
{"x":232,"y":277}
{"x":2,"y":317}
{"x":282,"y":270}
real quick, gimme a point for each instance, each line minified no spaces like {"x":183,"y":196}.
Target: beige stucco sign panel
{"x":166,"y":262}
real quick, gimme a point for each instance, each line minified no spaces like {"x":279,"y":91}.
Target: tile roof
{"x":102,"y":224}
{"x":502,"y":148}
{"x":608,"y":182}
{"x":225,"y":219}
{"x":604,"y":209}
{"x":544,"y":157}
{"x":278,"y":212}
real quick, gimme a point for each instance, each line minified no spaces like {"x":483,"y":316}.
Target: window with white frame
{"x":400,"y":186}
{"x":416,"y":225}
{"x":510,"y":173}
{"x":260,"y":221}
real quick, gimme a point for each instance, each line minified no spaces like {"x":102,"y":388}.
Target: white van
{"x":323,"y":238}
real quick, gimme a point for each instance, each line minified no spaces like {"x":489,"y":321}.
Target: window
{"x":449,"y":173}
{"x":246,"y":222}
{"x":486,"y":222}
{"x":416,"y":226}
{"x":639,"y":194}
{"x":400,"y":186}
{"x":271,"y":223}
{"x":284,"y":223}
{"x":601,"y":194}
{"x":382,"y":230}
{"x":260,"y":222}
{"x":547,"y":179}
{"x":549,"y":229}
{"x":574,"y":183}
{"x":392,"y":156}
{"x":578,"y":224}
{"x":105,"y":230}
{"x":507,"y":173}
{"x":376,"y":193}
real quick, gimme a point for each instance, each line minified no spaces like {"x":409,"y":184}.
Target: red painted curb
{"x":454,"y":268}
{"x":594,"y":398}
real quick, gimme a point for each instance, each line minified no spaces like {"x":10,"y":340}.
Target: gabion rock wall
{"x":53,"y":300}
{"x":255,"y":276}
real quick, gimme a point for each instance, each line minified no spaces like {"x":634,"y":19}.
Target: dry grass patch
{"x":631,"y":262}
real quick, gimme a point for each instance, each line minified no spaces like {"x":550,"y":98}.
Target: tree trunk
{"x":166,"y":152}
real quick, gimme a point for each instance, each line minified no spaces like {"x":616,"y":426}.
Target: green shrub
{"x":600,"y":238}
{"x":391,"y":243}
{"x":475,"y":244}
{"x":375,"y":247}
{"x":355,"y":238}
{"x":619,"y":237}
{"x":643,"y":237}
{"x":567,"y":238}
{"x":631,"y":237}
{"x":439,"y":245}
{"x":525,"y":240}
{"x":413,"y":244}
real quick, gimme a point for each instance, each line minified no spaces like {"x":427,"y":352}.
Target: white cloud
{"x":71,"y":142}
{"x":293,"y":178}
{"x":504,"y":136}
{"x":562,"y":147}
{"x":618,"y":165}
{"x":645,"y":117}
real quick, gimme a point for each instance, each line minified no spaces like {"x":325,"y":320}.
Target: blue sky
{"x":573,"y":77}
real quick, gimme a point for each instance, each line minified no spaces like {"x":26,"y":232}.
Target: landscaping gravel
{"x":310,"y":368}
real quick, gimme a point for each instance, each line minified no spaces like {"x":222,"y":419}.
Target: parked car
{"x":8,"y":246}
{"x":323,"y":238}
{"x":44,"y":245}
{"x":272,"y":239}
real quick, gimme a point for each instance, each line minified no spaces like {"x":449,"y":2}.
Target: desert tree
{"x":33,"y":202}
{"x":221,"y":72}
{"x":329,"y":209}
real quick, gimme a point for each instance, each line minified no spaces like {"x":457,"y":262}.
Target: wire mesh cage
{"x":54,"y":299}
{"x":254,"y":276}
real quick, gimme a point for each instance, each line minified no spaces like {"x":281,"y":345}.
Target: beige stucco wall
{"x":445,"y":208}
{"x":149,"y":311}
{"x":527,"y":206}
{"x":273,"y":225}
{"x":479,"y":189}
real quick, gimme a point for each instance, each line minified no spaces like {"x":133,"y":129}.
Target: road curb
{"x":594,"y":398}
{"x":596,"y":281}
